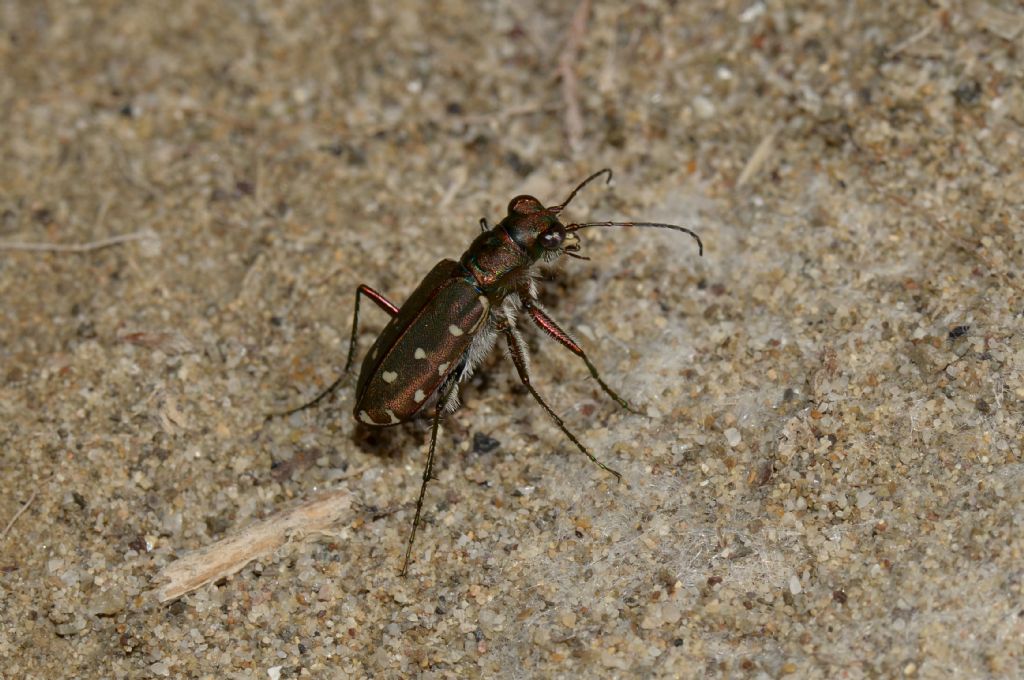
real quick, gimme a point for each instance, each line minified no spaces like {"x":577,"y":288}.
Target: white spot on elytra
{"x":419,"y":353}
{"x":389,"y":376}
{"x":365,"y":417}
{"x":419,"y":396}
{"x":455,"y":330}
{"x":442,"y":368}
{"x":391,"y":414}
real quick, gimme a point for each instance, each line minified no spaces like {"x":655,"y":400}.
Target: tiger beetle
{"x":451,"y":321}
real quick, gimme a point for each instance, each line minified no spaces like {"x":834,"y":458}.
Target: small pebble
{"x":72,"y":627}
{"x":107,"y":603}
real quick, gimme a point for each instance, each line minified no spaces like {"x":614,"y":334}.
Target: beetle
{"x":438,"y":337}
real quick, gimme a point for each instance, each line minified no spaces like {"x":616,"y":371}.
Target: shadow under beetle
{"x":451,"y":321}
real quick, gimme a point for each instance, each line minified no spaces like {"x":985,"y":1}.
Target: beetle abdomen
{"x":420,"y":347}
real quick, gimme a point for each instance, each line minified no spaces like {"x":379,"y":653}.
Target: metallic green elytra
{"x":451,"y":321}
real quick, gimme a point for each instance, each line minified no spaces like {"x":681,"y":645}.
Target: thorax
{"x":496,"y":262}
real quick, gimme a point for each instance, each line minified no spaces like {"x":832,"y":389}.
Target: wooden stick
{"x":567,"y":71}
{"x":76,"y":247}
{"x":227,"y":556}
{"x":761,"y":155}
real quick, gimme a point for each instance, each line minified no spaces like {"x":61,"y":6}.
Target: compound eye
{"x":553,"y":237}
{"x":524,"y":205}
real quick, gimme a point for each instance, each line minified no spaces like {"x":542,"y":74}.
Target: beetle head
{"x":537,"y":229}
{"x":541,"y":234}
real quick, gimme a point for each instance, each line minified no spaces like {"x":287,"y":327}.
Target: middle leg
{"x":428,"y":469}
{"x":380,"y":301}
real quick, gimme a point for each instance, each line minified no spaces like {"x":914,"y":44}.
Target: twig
{"x":21,"y":510}
{"x":567,"y":71}
{"x":498,"y":116}
{"x":459,"y":177}
{"x":761,"y":154}
{"x":913,"y":39}
{"x":453,"y":123}
{"x":76,"y":247}
{"x":1007,"y":25}
{"x":229,"y":555}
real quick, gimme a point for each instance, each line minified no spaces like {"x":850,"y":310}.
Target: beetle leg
{"x":428,"y":469}
{"x":384,"y":304}
{"x":548,"y":325}
{"x":517,"y":350}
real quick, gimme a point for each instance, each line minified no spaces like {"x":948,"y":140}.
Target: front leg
{"x":548,"y":325}
{"x":517,"y":350}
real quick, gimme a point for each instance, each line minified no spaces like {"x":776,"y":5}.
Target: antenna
{"x":561,"y":206}
{"x":569,"y":228}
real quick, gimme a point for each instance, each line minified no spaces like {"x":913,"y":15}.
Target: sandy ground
{"x":826,"y":477}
